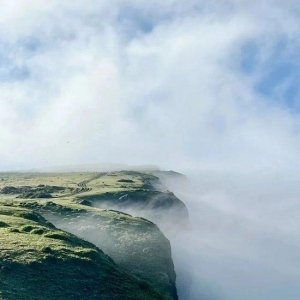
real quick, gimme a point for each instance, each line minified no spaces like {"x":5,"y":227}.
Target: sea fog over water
{"x":245,"y":241}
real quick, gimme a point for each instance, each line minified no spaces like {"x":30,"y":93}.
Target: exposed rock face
{"x":38,"y":261}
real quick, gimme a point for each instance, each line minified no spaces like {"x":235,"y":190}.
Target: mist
{"x":244,"y":242}
{"x":206,"y":88}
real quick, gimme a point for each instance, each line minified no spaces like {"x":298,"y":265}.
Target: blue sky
{"x":278,"y":73}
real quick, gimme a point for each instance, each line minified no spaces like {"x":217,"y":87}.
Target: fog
{"x":207,"y":88}
{"x":245,"y":242}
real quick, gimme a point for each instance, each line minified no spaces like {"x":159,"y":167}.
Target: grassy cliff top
{"x":93,"y":206}
{"x":96,"y":182}
{"x":38,"y":261}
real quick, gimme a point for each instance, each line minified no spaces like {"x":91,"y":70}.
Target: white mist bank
{"x":245,"y":242}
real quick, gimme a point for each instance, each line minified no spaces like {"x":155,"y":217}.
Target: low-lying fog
{"x":245,"y":242}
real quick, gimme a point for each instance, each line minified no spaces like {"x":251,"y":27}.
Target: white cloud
{"x":173,"y":95}
{"x":161,"y":82}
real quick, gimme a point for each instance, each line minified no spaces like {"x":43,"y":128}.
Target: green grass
{"x":135,"y":244}
{"x":37,"y":261}
{"x":139,"y":250}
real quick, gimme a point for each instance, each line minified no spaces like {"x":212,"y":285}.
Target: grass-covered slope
{"x":38,"y":261}
{"x":140,"y":194}
{"x":93,"y":206}
{"x":135,"y":244}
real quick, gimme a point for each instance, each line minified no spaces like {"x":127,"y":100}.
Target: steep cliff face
{"x":38,"y":261}
{"x":181,"y":238}
{"x":99,"y":207}
{"x":139,"y":194}
{"x":135,"y":244}
{"x":145,"y":194}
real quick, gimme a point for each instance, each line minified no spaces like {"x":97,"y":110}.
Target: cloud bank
{"x":244,"y":243}
{"x":197,"y":86}
{"x":184,"y":86}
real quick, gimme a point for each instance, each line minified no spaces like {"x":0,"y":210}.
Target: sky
{"x":184,"y":86}
{"x":208,"y":88}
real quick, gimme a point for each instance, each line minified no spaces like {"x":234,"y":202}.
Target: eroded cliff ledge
{"x":116,"y":212}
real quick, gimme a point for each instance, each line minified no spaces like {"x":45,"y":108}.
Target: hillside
{"x":96,"y":207}
{"x":37,"y":261}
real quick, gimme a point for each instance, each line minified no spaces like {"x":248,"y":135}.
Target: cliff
{"x":116,"y":212}
{"x":38,"y":261}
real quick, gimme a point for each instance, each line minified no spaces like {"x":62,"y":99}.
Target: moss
{"x":3,"y":224}
{"x":26,"y":228}
{"x":14,"y":230}
{"x":39,"y":231}
{"x":124,"y":238}
{"x":59,"y":236}
{"x":134,"y":244}
{"x":46,"y":250}
{"x":47,"y":267}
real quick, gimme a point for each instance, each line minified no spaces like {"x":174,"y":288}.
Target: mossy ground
{"x":37,"y":261}
{"x":135,"y":244}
